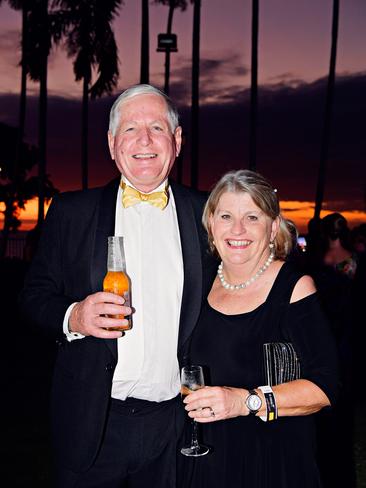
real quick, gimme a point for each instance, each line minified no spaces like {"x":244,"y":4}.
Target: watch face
{"x":254,"y":402}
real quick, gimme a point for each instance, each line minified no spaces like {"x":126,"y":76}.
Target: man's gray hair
{"x":133,"y":91}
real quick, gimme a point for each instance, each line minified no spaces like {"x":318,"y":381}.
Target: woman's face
{"x":241,"y":230}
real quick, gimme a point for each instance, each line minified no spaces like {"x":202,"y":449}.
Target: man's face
{"x":144,"y":147}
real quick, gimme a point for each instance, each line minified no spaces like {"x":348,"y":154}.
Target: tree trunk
{"x":144,"y":69}
{"x":327,"y":115}
{"x":23,"y":96}
{"x":195,"y":93}
{"x":254,"y":88}
{"x":42,"y":128}
{"x":9,"y":204}
{"x":84,"y":133}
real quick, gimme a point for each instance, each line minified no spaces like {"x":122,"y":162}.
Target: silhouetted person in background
{"x":338,"y":245}
{"x":331,"y":262}
{"x":358,"y":236}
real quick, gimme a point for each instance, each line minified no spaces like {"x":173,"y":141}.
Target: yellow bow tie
{"x":131,"y":196}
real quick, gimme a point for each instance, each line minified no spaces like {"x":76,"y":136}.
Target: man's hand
{"x":88,"y":317}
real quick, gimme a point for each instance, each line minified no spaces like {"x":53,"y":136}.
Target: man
{"x":115,"y":400}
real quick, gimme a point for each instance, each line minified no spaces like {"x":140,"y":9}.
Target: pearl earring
{"x":271,"y":245}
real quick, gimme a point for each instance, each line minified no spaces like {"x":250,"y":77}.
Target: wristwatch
{"x":253,"y":402}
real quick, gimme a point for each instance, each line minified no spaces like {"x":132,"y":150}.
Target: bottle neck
{"x":116,"y":255}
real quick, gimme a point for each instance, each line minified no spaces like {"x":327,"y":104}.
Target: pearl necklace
{"x":230,"y":287}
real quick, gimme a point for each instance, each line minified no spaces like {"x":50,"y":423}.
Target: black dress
{"x":247,"y":452}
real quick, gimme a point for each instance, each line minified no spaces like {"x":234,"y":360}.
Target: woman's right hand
{"x":213,"y":403}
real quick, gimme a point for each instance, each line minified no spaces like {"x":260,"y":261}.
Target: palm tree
{"x":173,"y":4}
{"x":145,"y":45}
{"x":90,"y":41}
{"x":39,"y":49}
{"x":37,"y":28}
{"x":328,"y":114}
{"x":14,"y":194}
{"x":254,"y":87}
{"x":11,"y":190}
{"x":24,"y":6}
{"x":195,"y":92}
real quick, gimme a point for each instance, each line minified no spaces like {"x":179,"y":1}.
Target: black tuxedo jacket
{"x":70,"y":264}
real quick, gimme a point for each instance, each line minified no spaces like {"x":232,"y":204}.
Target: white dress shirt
{"x":147,"y":366}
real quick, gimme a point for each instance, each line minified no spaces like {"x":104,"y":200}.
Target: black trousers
{"x":139,"y":448}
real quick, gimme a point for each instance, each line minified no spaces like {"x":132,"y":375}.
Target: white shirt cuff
{"x":70,"y":336}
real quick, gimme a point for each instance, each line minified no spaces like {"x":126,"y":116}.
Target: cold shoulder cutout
{"x":303,"y":288}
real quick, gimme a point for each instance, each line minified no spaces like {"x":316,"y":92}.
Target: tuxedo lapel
{"x":192,"y":263}
{"x":105,"y":227}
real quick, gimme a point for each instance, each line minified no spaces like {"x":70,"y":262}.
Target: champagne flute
{"x":192,"y":380}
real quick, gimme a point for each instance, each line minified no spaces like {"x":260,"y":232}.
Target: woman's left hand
{"x":213,"y":403}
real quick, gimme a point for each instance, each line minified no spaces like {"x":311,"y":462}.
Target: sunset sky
{"x":294,"y":46}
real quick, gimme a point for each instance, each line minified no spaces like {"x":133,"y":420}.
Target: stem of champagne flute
{"x":194,"y":443}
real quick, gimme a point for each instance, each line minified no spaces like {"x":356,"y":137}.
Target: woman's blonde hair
{"x":263,"y":195}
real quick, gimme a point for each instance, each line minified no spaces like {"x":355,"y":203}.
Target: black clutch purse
{"x":281,"y":363}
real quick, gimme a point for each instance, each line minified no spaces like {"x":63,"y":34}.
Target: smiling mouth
{"x":236,"y":243}
{"x":144,"y":155}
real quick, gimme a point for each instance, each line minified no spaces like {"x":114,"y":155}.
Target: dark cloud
{"x":214,"y":75}
{"x":293,"y":210}
{"x":285,"y":79}
{"x":290,"y":121}
{"x":210,"y":66}
{"x":64,"y":134}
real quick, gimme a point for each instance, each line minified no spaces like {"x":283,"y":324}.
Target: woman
{"x":337,"y":289}
{"x":256,"y":298}
{"x":338,"y":247}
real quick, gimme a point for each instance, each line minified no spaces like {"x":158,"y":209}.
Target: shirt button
{"x":109,"y":367}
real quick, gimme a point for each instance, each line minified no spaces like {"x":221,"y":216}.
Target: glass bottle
{"x":116,"y":280}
